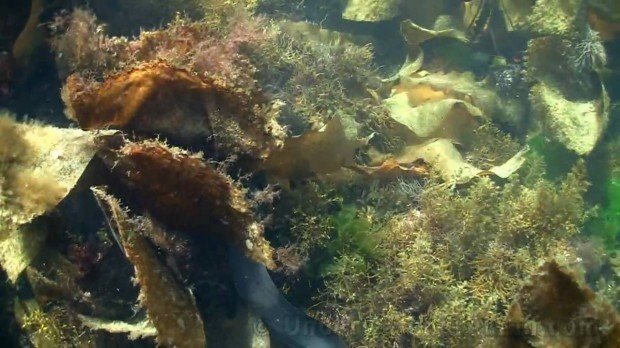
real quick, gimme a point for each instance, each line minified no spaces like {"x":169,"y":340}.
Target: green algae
{"x":351,"y":235}
{"x":606,"y":225}
{"x":379,"y":261}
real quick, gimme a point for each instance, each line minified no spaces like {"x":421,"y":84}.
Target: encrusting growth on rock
{"x":183,"y":192}
{"x":156,"y":97}
{"x":554,"y":309}
{"x":130,"y":95}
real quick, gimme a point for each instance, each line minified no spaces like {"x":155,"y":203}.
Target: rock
{"x":578,"y":125}
{"x":371,"y":10}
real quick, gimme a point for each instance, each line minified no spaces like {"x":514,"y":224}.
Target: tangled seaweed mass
{"x":268,"y":173}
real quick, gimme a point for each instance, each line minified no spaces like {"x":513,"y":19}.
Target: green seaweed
{"x":352,"y":235}
{"x":606,"y":225}
{"x":557,"y":159}
{"x":450,"y":269}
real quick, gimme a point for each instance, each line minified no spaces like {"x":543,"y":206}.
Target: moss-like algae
{"x":352,"y":235}
{"x":449,"y":270}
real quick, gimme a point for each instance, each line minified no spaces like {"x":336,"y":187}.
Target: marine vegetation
{"x":451,"y":267}
{"x":259,"y":173}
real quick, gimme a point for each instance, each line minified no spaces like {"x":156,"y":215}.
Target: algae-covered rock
{"x":571,"y":66}
{"x":555,"y":309}
{"x":578,"y":125}
{"x":39,"y":165}
{"x":158,"y":98}
{"x":567,"y":96}
{"x":371,"y":10}
{"x":558,"y":17}
{"x":543,"y":55}
{"x":184,"y":192}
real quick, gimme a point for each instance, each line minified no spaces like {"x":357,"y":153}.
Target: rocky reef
{"x":379,"y":173}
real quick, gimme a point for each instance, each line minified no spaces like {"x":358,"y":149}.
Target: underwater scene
{"x":310,"y":173}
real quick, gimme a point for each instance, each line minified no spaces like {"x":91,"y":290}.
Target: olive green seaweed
{"x":449,"y":270}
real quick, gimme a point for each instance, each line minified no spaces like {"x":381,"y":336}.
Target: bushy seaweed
{"x":316,"y":80}
{"x":386,"y":256}
{"x":449,"y":270}
{"x":353,"y":236}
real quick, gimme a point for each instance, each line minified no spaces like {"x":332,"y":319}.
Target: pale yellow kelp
{"x":437,"y":112}
{"x":39,"y":165}
{"x":444,"y":157}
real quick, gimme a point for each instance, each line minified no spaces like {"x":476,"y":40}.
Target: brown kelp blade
{"x":170,"y":307}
